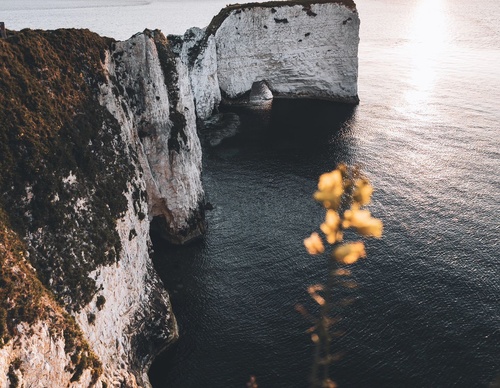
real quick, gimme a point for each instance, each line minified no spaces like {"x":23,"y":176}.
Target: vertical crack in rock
{"x":158,"y":95}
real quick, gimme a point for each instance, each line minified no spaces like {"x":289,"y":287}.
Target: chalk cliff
{"x":114,"y":151}
{"x":155,"y":101}
{"x":296,"y":48}
{"x":202,"y":65}
{"x":299,"y":49}
{"x":98,"y":145}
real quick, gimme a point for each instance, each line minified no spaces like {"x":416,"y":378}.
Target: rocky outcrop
{"x":115,"y":151}
{"x":300,"y":49}
{"x":197,"y":51}
{"x":150,"y":96}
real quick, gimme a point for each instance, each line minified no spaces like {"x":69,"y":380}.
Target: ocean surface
{"x":426,"y":132}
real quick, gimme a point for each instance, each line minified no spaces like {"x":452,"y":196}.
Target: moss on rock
{"x":64,"y":164}
{"x":24,"y":299}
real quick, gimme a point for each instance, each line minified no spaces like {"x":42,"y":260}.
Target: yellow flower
{"x":330,"y":181}
{"x":331,"y":227}
{"x":349,"y":253}
{"x":362,"y":191}
{"x":341,"y":272}
{"x":314,"y":244}
{"x":363,"y":222}
{"x":328,"y":383}
{"x":330,"y":189}
{"x":313,"y":292}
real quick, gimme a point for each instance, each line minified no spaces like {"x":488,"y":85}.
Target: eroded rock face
{"x":115,"y":149}
{"x":197,"y":51}
{"x":37,"y":358}
{"x":131,"y":315}
{"x":300,"y":51}
{"x":152,"y":97}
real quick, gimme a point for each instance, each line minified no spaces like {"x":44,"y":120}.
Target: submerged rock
{"x":220,"y":127}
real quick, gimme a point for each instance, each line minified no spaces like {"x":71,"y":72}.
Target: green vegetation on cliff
{"x":64,"y":164}
{"x":23,"y":299}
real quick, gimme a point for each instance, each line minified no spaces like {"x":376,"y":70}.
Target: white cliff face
{"x":300,"y":51}
{"x":164,"y":118}
{"x":202,"y":65}
{"x":137,"y":313}
{"x":129,"y":319}
{"x":127,"y":323}
{"x":132,"y":308}
{"x":37,"y":359}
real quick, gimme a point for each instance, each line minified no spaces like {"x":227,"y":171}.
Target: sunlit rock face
{"x":300,"y":51}
{"x":119,"y":152}
{"x":200,"y":57}
{"x":154,"y":100}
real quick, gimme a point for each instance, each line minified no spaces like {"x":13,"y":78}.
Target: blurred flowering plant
{"x":343,"y":192}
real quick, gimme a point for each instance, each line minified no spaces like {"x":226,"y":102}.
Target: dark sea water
{"x":427,"y":133}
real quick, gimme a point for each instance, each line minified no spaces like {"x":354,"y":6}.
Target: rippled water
{"x":428,"y":302}
{"x":426,"y":132}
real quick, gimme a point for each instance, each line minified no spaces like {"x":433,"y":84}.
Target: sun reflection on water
{"x":427,"y":42}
